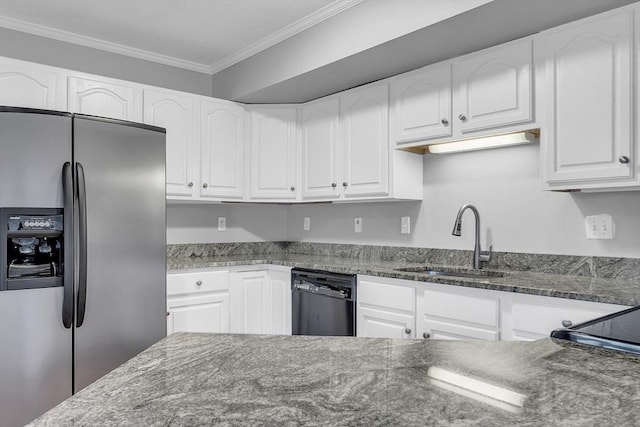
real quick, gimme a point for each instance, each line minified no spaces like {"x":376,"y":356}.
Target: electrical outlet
{"x":358,"y":224}
{"x":599,"y":226}
{"x":307,"y":223}
{"x":405,"y":225}
{"x":222,"y":223}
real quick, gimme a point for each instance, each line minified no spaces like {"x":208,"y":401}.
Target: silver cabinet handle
{"x":407,"y":331}
{"x":293,"y":188}
{"x":344,"y":184}
{"x":623,"y":159}
{"x":168,"y":313}
{"x":462,"y":118}
{"x":334,"y":185}
{"x":205,"y":185}
{"x":426,"y":335}
{"x":444,"y":121}
{"x":190,"y":184}
{"x":199,"y":283}
{"x":567,"y":323}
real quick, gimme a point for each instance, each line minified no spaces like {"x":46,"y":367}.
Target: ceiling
{"x":200,"y":35}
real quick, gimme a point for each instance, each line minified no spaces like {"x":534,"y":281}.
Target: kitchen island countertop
{"x":603,"y":290}
{"x":206,"y":379}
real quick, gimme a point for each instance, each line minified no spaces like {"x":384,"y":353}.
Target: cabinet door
{"x":105,"y":99}
{"x":221,"y":148}
{"x":273,"y":153}
{"x":365,"y":141}
{"x":378,"y":323}
{"x":280,"y":291}
{"x":31,"y":86}
{"x":421,"y":105}
{"x":175,"y":113}
{"x":494,"y":88}
{"x":199,"y":313}
{"x":433,"y":329}
{"x":320,"y":149}
{"x":252,"y":305}
{"x":589,"y":120}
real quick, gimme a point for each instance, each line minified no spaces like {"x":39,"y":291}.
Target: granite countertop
{"x":604,"y":290}
{"x":206,"y":379}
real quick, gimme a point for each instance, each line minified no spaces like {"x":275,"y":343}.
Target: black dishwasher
{"x":323,"y":303}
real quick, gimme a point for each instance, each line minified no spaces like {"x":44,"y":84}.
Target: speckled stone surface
{"x":605,"y":290}
{"x":229,"y":380}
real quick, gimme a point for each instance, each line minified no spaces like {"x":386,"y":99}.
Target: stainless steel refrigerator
{"x":82,"y":250}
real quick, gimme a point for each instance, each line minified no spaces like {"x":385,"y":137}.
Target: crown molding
{"x":309,"y":21}
{"x":330,"y":10}
{"x":65,"y":36}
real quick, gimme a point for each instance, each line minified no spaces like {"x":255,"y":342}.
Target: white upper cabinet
{"x":104,"y":98}
{"x":221,"y":149}
{"x":320,"y":149}
{"x":23,"y":84}
{"x":273,"y":152}
{"x":589,"y":117}
{"x":493,"y":88}
{"x":364,"y":117}
{"x":421,"y":104}
{"x":175,"y":112}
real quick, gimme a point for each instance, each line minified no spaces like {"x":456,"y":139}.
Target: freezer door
{"x":35,"y":354}
{"x":33,"y":148}
{"x":122,"y":169}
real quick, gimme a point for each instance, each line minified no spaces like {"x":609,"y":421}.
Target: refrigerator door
{"x":35,"y":347}
{"x":121,"y":184}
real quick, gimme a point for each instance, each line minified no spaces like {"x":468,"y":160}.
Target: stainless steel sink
{"x":454,"y":272}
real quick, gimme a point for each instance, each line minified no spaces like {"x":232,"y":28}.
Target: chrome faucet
{"x":478,"y":253}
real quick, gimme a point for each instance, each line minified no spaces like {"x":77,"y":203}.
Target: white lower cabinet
{"x":394,"y":308}
{"x":198,"y":302}
{"x":261,"y":301}
{"x":530,"y":317}
{"x":386,"y":308}
{"x":447,"y":312}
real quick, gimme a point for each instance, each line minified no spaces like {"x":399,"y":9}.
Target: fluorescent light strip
{"x":493,"y":141}
{"x":478,"y":390}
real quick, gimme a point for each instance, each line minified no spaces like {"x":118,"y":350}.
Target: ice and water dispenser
{"x":31,"y":248}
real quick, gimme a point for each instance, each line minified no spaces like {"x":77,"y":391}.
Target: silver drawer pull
{"x":426,"y":335}
{"x":199,"y":283}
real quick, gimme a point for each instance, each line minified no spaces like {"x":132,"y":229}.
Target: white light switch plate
{"x":357,"y":222}
{"x":599,"y":226}
{"x":222,"y":223}
{"x":307,"y":223}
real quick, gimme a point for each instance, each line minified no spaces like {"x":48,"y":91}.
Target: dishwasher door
{"x":320,"y":307}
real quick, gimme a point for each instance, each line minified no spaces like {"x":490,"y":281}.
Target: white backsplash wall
{"x":245,"y":223}
{"x":516,"y":216}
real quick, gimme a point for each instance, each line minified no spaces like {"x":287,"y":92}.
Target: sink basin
{"x":454,"y":272}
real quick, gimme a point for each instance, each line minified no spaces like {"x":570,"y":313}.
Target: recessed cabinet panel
{"x":320,"y":149}
{"x":105,"y":99}
{"x":365,"y":141}
{"x":200,"y":313}
{"x":462,"y":306}
{"x":28,"y":85}
{"x":273,"y":153}
{"x":494,"y":88}
{"x":175,"y":113}
{"x":422,"y":105}
{"x":450,"y":331}
{"x":221,"y":150}
{"x":588,"y":127}
{"x":377,"y":323}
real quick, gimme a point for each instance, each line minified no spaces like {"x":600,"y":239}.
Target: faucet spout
{"x":478,"y":253}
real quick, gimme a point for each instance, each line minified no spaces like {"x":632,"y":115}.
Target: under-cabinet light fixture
{"x":493,"y":141}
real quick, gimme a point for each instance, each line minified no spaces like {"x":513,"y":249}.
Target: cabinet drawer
{"x":455,"y":306}
{"x":206,"y":281}
{"x":388,"y":296}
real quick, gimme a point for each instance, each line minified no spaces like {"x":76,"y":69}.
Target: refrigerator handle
{"x":67,"y":191}
{"x":82,"y":244}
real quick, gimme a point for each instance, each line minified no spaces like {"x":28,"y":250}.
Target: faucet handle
{"x":485,"y":256}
